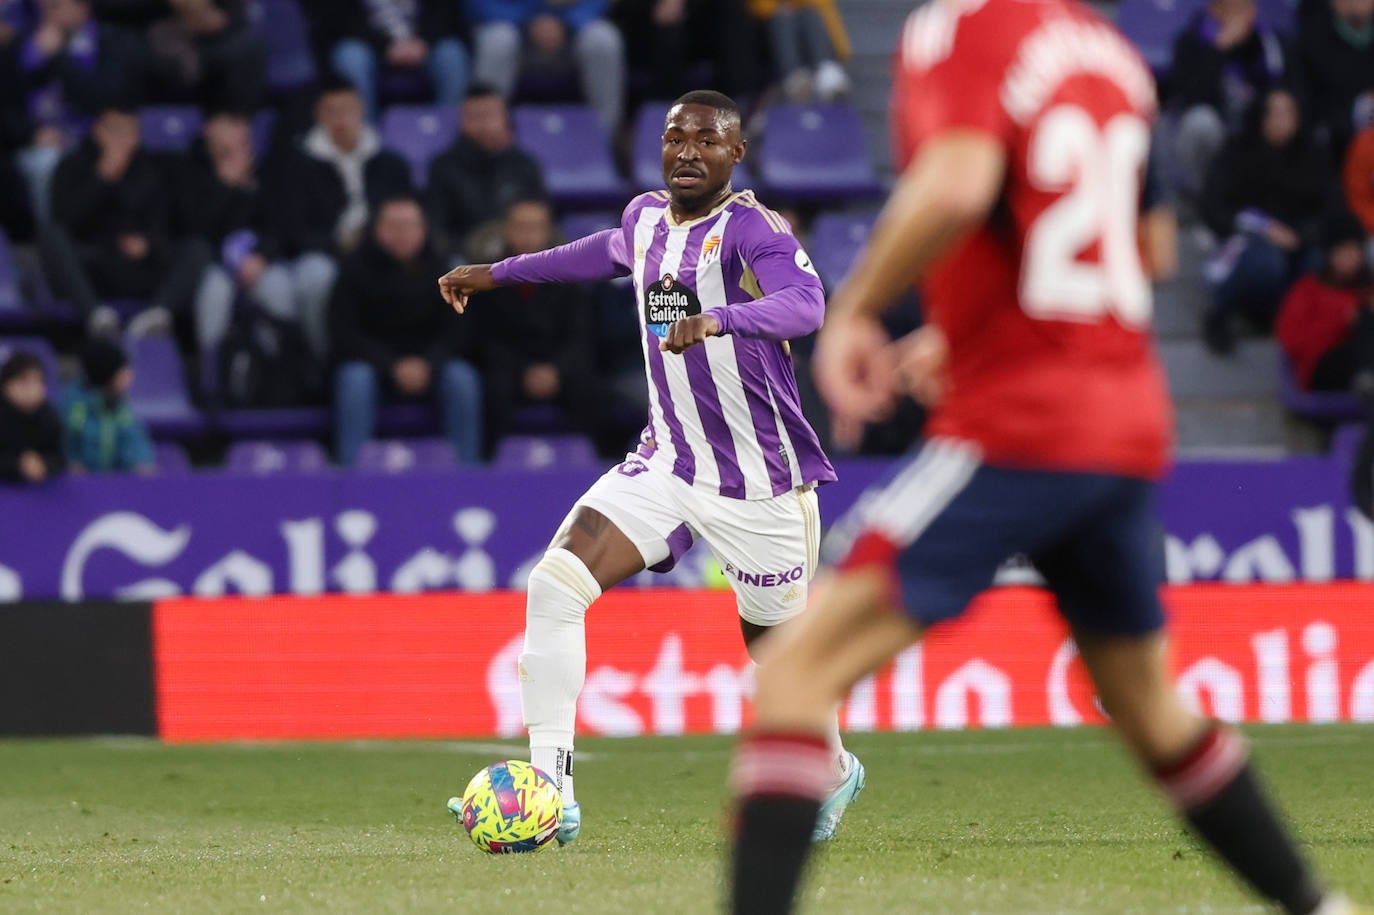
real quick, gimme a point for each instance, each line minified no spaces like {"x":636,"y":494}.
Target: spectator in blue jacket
{"x":551,"y":33}
{"x":102,"y":433}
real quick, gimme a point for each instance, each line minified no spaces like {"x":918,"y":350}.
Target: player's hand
{"x":921,"y":358}
{"x":687,"y":333}
{"x":461,"y":282}
{"x":855,"y":367}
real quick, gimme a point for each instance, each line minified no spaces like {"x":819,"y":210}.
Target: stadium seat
{"x":815,"y":153}
{"x":403,"y":456}
{"x":40,"y":348}
{"x":535,"y":452}
{"x":580,"y":225}
{"x":262,"y":458}
{"x":159,"y":393}
{"x":169,"y":128}
{"x":419,"y":133}
{"x":1152,"y":25}
{"x":835,"y":241}
{"x":10,"y":299}
{"x":1280,"y":14}
{"x":646,"y":167}
{"x":170,"y":459}
{"x":264,"y":123}
{"x":1325,"y":407}
{"x":286,"y":32}
{"x":573,"y":152}
{"x":275,"y":422}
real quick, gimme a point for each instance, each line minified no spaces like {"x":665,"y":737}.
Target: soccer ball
{"x":511,"y":807}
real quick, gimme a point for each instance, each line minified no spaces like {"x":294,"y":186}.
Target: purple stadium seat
{"x":580,"y":225}
{"x":159,"y":393}
{"x":535,"y":452}
{"x":835,"y":241}
{"x":1281,"y":15}
{"x":170,"y":128}
{"x":419,"y":133}
{"x":573,"y":151}
{"x":1327,"y":407}
{"x":1152,"y":25}
{"x":282,"y":422}
{"x":40,"y":348}
{"x":403,"y":456}
{"x":10,"y":299}
{"x":264,"y":122}
{"x":170,"y":459}
{"x":262,"y":458}
{"x":286,"y":32}
{"x":646,"y":167}
{"x":815,"y":153}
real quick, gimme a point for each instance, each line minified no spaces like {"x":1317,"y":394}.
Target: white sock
{"x":553,"y":665}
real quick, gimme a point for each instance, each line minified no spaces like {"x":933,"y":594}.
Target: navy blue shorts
{"x":954,"y":521}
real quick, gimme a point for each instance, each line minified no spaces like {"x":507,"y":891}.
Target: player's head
{"x":701,"y":147}
{"x":339,"y":110}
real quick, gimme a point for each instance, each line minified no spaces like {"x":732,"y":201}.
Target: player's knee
{"x":561,"y":586}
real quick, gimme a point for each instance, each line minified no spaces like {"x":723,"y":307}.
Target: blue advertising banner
{"x":215,"y":533}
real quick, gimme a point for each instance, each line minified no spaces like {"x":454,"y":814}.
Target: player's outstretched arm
{"x":462,"y":281}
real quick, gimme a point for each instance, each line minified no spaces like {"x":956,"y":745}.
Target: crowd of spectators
{"x":318,"y":237}
{"x":1270,"y":133}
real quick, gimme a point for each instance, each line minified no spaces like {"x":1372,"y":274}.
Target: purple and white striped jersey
{"x":724,"y":415}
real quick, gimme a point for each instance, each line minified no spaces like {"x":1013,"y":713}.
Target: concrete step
{"x":1194,"y":372}
{"x":1230,"y":427}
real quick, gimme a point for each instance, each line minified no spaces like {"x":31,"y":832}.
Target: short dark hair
{"x":711,"y":99}
{"x":481,"y":90}
{"x":400,"y":197}
{"x":530,"y":200}
{"x":21,"y":362}
{"x":331,"y":85}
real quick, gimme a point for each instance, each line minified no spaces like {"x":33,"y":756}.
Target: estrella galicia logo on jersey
{"x":667,"y":301}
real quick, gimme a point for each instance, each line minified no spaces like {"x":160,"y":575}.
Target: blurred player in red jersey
{"x":1024,"y":128}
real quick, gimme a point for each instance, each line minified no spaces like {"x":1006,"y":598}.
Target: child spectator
{"x":30,"y":430}
{"x":102,"y":433}
{"x":1326,"y":324}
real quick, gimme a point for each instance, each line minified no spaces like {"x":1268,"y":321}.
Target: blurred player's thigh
{"x":944,"y":522}
{"x":642,"y":503}
{"x":1106,"y":573}
{"x":767,"y":548}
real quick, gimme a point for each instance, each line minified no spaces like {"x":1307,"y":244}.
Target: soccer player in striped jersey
{"x":721,"y":286}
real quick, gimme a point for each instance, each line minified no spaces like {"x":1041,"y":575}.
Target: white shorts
{"x":766,"y":547}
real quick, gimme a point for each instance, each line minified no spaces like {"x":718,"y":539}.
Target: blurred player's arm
{"x":947,"y":191}
{"x":1159,"y":243}
{"x":600,"y":256}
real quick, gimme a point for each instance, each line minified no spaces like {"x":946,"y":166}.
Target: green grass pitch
{"x":1032,"y":821}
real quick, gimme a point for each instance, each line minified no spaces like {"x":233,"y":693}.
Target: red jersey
{"x":1046,"y":306}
